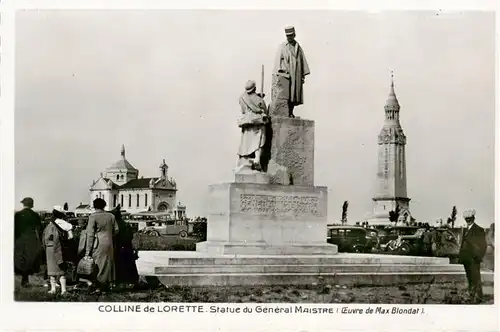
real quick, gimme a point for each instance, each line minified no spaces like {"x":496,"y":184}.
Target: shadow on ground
{"x":448,"y":293}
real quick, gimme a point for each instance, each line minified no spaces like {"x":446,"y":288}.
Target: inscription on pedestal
{"x":281,"y":205}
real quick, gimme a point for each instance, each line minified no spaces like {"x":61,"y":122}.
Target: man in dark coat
{"x":427,"y":240}
{"x":125,"y":255}
{"x":27,"y":241}
{"x":472,"y":251}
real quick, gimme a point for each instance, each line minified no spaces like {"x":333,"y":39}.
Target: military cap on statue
{"x":289,"y":30}
{"x":469,"y":213}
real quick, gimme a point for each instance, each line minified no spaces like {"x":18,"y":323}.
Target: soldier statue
{"x":253,"y":120}
{"x":290,"y":70}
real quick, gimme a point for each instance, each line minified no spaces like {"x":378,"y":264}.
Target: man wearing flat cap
{"x":472,"y":251}
{"x":252,"y":123}
{"x":290,"y":69}
{"x":27,"y":241}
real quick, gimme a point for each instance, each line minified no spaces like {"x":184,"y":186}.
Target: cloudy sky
{"x":166,"y":84}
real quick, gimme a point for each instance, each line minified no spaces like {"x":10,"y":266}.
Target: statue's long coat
{"x":291,"y":63}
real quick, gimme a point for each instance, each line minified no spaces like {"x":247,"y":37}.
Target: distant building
{"x":391,"y":174}
{"x":121,"y":184}
{"x":83,"y":210}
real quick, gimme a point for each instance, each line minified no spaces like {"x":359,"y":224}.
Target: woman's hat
{"x":250,"y":86}
{"x":59,"y":208}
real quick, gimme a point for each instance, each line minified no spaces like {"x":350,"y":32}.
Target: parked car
{"x":177,"y":227}
{"x":161,"y":223}
{"x":444,"y":242}
{"x":69,"y":214}
{"x":373,"y":234}
{"x":351,"y":238}
{"x":447,"y":243}
{"x":390,"y":233}
{"x":408,"y":244}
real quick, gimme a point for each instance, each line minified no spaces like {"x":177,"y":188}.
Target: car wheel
{"x":357,"y":249}
{"x":183,"y":234}
{"x":405,"y":247}
{"x":153,"y":233}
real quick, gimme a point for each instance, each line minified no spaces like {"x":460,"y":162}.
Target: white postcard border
{"x":86,"y":316}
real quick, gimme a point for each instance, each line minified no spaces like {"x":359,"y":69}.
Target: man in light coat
{"x":291,"y":68}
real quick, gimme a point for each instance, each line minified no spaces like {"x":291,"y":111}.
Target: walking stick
{"x":262,"y":82}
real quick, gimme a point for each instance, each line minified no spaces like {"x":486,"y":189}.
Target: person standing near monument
{"x":27,"y":241}
{"x":101,"y":229}
{"x":252,"y":123}
{"x":490,"y":250}
{"x":291,"y":68}
{"x":472,"y":251}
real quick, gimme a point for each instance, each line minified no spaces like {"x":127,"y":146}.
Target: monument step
{"x":265,"y":249}
{"x":338,"y":259}
{"x":348,"y":279}
{"x":329,"y":269}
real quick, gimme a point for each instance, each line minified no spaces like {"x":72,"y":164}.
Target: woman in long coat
{"x":101,"y":229}
{"x":125,"y":255}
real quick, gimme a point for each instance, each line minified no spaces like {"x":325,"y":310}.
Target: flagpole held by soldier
{"x":262,"y":94}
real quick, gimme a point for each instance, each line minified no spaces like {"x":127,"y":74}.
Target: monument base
{"x":267,"y":219}
{"x":242,"y":248}
{"x":193,"y":268}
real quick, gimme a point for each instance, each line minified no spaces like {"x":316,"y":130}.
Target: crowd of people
{"x":99,"y":254}
{"x":104,"y":243}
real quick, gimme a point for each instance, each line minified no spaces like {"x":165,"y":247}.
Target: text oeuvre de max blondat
{"x":259,"y":309}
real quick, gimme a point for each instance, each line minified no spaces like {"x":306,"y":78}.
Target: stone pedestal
{"x":264,"y":219}
{"x":280,"y":94}
{"x":245,"y":174}
{"x":292,"y":146}
{"x":190,"y":268}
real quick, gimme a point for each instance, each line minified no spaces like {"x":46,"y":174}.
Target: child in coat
{"x":56,"y":233}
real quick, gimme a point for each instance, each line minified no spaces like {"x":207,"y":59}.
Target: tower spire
{"x":392,"y":104}
{"x":391,"y":195}
{"x":123,"y":151}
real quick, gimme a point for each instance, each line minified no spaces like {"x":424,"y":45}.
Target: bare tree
{"x":453,"y":217}
{"x":394,"y":215}
{"x":344,"y":212}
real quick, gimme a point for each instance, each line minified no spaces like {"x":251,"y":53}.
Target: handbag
{"x":86,"y":266}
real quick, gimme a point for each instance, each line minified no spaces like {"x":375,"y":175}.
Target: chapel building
{"x":121,"y":184}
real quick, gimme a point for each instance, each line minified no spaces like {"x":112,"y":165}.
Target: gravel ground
{"x":448,"y":293}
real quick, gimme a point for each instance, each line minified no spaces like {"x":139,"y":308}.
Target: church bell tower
{"x":391,"y":174}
